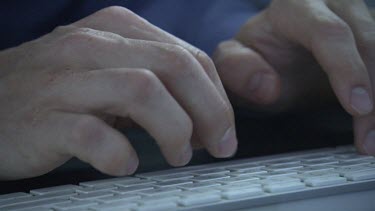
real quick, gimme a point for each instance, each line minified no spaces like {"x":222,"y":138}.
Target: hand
{"x":59,"y":93}
{"x":282,"y":57}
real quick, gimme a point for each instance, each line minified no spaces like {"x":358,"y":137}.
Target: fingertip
{"x":181,"y":158}
{"x":132,"y":165}
{"x":226,"y":147}
{"x":368,"y":145}
{"x":185,"y":156}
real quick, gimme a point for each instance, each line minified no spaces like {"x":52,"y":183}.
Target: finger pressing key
{"x":179,"y":71}
{"x":134,"y":93}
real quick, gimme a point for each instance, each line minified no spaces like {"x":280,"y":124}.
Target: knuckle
{"x":63,"y":29}
{"x":144,"y":84}
{"x":366,"y":38}
{"x":180,"y":58}
{"x":332,"y":27}
{"x":207,"y":63}
{"x":79,"y":38}
{"x":87,"y":130}
{"x":202,"y":56}
{"x":118,"y":13}
{"x":178,"y":52}
{"x":204,"y":59}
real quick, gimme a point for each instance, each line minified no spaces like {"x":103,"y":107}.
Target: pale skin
{"x":60,"y":100}
{"x":61,"y":92}
{"x":303,"y":53}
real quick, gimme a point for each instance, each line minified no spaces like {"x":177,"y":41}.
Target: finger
{"x":364,"y":134}
{"x":137,"y":94}
{"x":246,"y":73}
{"x":91,"y":140}
{"x":313,"y":25}
{"x":356,"y":14}
{"x":181,"y":74}
{"x":129,"y":25}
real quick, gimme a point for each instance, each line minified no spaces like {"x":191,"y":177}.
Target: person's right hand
{"x":304,"y":54}
{"x":58,"y":92}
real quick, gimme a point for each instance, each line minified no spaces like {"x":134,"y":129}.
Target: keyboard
{"x":325,"y":178}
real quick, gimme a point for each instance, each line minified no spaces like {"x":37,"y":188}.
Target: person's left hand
{"x":275,"y":61}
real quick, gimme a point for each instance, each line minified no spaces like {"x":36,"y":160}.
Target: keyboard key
{"x":198,"y":185}
{"x":352,"y":163}
{"x":252,"y":172}
{"x":283,"y":187}
{"x":130,"y":189}
{"x":283,"y":179}
{"x":189,"y":199}
{"x":286,"y":161}
{"x":246,"y":167}
{"x":174,"y":171}
{"x":214,"y":171}
{"x":91,"y":196}
{"x":95,"y":189}
{"x":159,"y":198}
{"x":133,"y":183}
{"x":36,"y":198}
{"x":317,"y":156}
{"x":74,"y":205}
{"x":170,"y":177}
{"x":162,"y":206}
{"x":236,"y":193}
{"x":239,"y":179}
{"x":10,"y":196}
{"x":172,"y":183}
{"x":211,"y":177}
{"x":33,"y":204}
{"x":355,"y":157}
{"x":270,"y":175}
{"x":108,"y":181}
{"x":360,"y":175}
{"x":237,"y":185}
{"x":285,"y":167}
{"x":55,"y":189}
{"x":315,"y":169}
{"x":115,"y":206}
{"x":160,"y":191}
{"x":320,"y":162}
{"x":329,"y":172}
{"x":324,"y":181}
{"x":116,"y":198}
{"x":349,"y":169}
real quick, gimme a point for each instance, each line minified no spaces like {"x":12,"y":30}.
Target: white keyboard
{"x":240,"y":184}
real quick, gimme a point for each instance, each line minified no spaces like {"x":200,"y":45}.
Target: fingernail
{"x":132,"y":165}
{"x":361,"y":101}
{"x":228,"y":144}
{"x":186,"y":155}
{"x":369,"y":144}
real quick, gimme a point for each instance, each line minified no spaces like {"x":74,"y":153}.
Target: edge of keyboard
{"x":363,"y":184}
